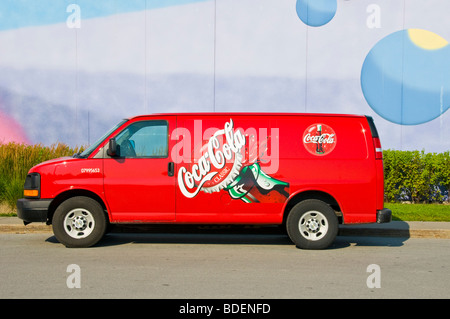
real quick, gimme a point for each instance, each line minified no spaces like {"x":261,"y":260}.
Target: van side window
{"x":145,"y":139}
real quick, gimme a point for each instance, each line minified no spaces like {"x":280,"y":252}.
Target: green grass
{"x":420,"y":212}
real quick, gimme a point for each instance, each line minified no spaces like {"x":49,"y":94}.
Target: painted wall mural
{"x":405,"y":78}
{"x":316,"y":13}
{"x":70,"y":69}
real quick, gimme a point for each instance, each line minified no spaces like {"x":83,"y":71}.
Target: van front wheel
{"x":312,"y":224}
{"x":79,"y":222}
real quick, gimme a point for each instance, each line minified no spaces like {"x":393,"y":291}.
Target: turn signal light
{"x":31,"y":193}
{"x":378,"y":149}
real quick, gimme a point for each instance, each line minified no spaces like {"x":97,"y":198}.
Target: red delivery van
{"x":309,"y":172}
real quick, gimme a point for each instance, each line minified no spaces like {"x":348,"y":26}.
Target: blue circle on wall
{"x":316,"y":13}
{"x":405,"y":77}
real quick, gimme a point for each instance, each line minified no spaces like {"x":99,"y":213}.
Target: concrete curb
{"x":408,"y":230}
{"x":15,"y":225}
{"x":439,"y":230}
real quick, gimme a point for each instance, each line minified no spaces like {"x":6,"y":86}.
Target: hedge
{"x":416,"y":176}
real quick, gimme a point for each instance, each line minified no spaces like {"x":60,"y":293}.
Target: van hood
{"x":51,"y":162}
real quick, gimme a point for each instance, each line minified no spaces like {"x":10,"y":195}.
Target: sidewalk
{"x":392,"y":229}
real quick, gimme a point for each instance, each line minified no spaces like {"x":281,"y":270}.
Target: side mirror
{"x":113,"y":149}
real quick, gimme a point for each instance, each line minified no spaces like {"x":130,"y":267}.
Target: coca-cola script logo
{"x":219,"y":163}
{"x":319,"y":139}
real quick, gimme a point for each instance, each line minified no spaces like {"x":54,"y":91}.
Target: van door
{"x":224,"y":173}
{"x":137,"y":181}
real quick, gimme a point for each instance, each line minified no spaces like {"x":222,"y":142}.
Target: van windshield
{"x":91,"y":148}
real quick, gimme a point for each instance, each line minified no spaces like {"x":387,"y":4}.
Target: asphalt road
{"x":243,"y":265}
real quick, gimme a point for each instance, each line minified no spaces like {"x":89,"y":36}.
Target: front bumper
{"x":33,"y":210}
{"x":384,"y":216}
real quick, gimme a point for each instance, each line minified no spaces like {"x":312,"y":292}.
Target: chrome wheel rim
{"x":79,"y":223}
{"x":313,"y":225}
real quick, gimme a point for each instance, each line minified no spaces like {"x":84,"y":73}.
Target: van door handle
{"x":171,"y":168}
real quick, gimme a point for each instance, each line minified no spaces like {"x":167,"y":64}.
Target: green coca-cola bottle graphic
{"x":253,"y":185}
{"x":319,"y":145}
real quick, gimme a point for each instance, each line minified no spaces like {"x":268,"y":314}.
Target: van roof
{"x":248,"y":114}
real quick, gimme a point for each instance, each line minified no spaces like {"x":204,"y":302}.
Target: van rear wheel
{"x":79,"y":222}
{"x":312,"y":224}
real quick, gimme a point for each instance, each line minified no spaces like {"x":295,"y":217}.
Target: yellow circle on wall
{"x":426,"y":39}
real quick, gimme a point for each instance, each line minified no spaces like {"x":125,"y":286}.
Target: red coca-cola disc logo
{"x":319,"y":139}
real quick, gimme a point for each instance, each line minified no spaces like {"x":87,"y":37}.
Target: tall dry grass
{"x":17,"y":159}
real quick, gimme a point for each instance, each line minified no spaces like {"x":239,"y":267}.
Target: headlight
{"x":32,"y":186}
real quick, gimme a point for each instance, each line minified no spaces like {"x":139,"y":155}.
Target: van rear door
{"x":378,"y":151}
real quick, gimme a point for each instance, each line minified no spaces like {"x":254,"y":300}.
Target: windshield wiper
{"x":77,"y":155}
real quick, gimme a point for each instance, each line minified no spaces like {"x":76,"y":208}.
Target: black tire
{"x":79,"y":222}
{"x":312,"y":224}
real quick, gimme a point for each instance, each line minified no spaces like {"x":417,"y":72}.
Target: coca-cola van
{"x":309,"y":172}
